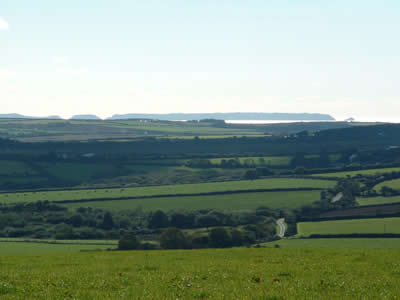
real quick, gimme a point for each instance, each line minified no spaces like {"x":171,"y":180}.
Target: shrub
{"x":219,"y":238}
{"x":173,"y":238}
{"x":128,"y":242}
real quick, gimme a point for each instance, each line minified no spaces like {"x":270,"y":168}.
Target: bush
{"x":158,"y":220}
{"x":219,"y":238}
{"x":173,"y":238}
{"x":128,"y":242}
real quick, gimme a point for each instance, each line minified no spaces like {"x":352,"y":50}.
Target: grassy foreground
{"x":32,"y":248}
{"x":204,"y":274}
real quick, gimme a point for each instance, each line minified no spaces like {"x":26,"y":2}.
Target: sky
{"x":108,"y":57}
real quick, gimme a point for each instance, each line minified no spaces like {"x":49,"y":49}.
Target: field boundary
{"x":189,"y":195}
{"x":70,"y":188}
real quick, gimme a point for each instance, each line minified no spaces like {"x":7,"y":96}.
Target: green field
{"x":268,"y":160}
{"x":332,"y":243}
{"x":89,"y":242}
{"x":379,"y":226}
{"x":272,"y":183}
{"x":204,"y":274}
{"x":362,"y":172}
{"x":222,"y":202}
{"x":31,"y":248}
{"x":393,"y":184}
{"x":378,"y":200}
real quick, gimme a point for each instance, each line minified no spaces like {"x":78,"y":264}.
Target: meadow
{"x":393,"y":184}
{"x":243,"y":185}
{"x":243,"y":201}
{"x":377,"y":200}
{"x":32,"y":248}
{"x":237,"y":273}
{"x":337,"y":243}
{"x":376,"y":226}
{"x":362,"y":172}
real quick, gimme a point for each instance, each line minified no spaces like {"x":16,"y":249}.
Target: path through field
{"x":282,"y":227}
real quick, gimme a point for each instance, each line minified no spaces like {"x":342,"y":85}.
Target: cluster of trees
{"x":217,"y":237}
{"x":345,"y":193}
{"x":48,"y":220}
{"x":301,"y":160}
{"x":206,"y":218}
{"x":229,"y":163}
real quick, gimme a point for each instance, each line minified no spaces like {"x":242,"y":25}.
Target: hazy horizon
{"x":117,"y":57}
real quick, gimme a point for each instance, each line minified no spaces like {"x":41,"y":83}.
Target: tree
{"x":237,"y":238}
{"x":207,"y":221}
{"x":108,"y":222}
{"x":76,"y":220}
{"x":158,"y":220}
{"x":173,"y":238}
{"x":251,"y":175}
{"x":128,"y":242}
{"x":219,"y":238}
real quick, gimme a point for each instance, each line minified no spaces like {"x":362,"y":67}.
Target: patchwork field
{"x":222,"y":202}
{"x":378,"y":200}
{"x":204,"y":274}
{"x":336,"y":243}
{"x":393,"y":184}
{"x":272,"y":183}
{"x":362,"y":172}
{"x":377,"y":226}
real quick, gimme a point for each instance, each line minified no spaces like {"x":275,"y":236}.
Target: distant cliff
{"x":229,"y":116}
{"x":85,"y":117}
{"x":19,"y":116}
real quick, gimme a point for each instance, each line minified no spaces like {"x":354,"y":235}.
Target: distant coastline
{"x":277,"y":117}
{"x":228,"y":117}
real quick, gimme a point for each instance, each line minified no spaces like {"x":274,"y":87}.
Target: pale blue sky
{"x":122,"y":56}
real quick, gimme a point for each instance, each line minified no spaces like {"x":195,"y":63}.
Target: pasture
{"x":336,"y":243}
{"x":270,"y":183}
{"x":238,"y":273}
{"x":361,"y":172}
{"x":393,"y":184}
{"x":374,"y":226}
{"x":35,"y":248}
{"x":362,"y":201}
{"x":240,"y":201}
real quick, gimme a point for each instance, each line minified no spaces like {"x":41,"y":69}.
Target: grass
{"x":222,"y":202}
{"x":272,"y":183}
{"x":204,"y":274}
{"x":346,"y":243}
{"x":378,"y":226}
{"x":52,"y":241}
{"x":362,"y":172}
{"x":31,"y":248}
{"x":378,"y":200}
{"x":268,"y":160}
{"x":393,"y":184}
